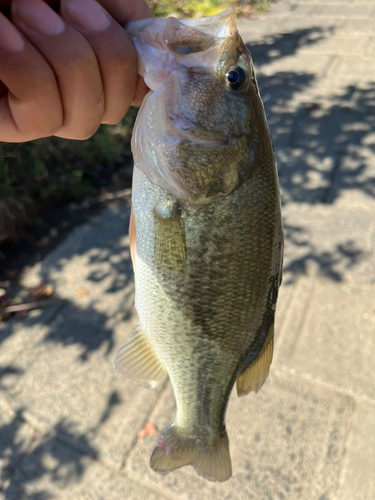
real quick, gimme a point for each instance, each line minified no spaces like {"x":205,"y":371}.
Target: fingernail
{"x":86,"y":14}
{"x":10,"y":39}
{"x":38,"y":16}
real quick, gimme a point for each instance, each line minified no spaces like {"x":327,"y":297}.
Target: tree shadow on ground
{"x":280,"y":45}
{"x":40,"y":466}
{"x":29,"y":460}
{"x":334,"y":264}
{"x":92,"y":273}
{"x":324,"y":143}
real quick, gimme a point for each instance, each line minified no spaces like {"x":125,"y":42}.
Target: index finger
{"x":125,"y":11}
{"x":25,"y":110}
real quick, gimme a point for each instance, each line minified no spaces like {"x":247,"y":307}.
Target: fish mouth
{"x":173,"y":42}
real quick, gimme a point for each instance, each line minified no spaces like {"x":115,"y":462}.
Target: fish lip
{"x":219,"y":28}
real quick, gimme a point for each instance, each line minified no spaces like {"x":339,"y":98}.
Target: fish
{"x":206,"y":233}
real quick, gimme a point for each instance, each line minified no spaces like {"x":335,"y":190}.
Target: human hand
{"x":65,"y":74}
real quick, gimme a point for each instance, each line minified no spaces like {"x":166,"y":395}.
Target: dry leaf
{"x":40,"y":291}
{"x":48,"y":291}
{"x":148,"y":430}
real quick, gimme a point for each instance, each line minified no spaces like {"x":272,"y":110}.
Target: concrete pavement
{"x":69,"y":425}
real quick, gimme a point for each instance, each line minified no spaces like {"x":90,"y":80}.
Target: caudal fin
{"x":212,"y":461}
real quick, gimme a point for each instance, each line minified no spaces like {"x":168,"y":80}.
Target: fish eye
{"x":235,"y":77}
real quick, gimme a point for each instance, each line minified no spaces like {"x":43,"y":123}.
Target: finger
{"x":6,"y":4}
{"x":120,"y":10}
{"x":3,"y":89}
{"x":114,"y":51}
{"x":125,"y":11}
{"x":25,"y":110}
{"x":140,"y":92}
{"x":73,"y":62}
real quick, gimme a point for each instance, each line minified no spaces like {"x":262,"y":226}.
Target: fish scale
{"x":208,"y":235}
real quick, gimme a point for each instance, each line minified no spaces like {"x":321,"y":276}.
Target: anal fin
{"x":256,"y":374}
{"x":137,"y":361}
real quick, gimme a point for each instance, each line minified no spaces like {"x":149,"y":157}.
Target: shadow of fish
{"x":206,"y":233}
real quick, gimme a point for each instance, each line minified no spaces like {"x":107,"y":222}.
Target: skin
{"x":61,"y":76}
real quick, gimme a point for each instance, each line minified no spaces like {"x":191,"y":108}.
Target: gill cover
{"x":167,"y":50}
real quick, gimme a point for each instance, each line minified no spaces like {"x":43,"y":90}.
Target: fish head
{"x":194,"y":129}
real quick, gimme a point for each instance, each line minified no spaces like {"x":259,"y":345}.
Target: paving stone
{"x":337,"y":45}
{"x":76,"y":392}
{"x":359,"y":10}
{"x":370,"y":52}
{"x":304,"y":175}
{"x":353,"y":68}
{"x":299,"y":9}
{"x":296,"y":439}
{"x":54,"y":470}
{"x":17,"y":334}
{"x":312,"y":63}
{"x":359,"y":27}
{"x":290,"y":23}
{"x":283,"y":303}
{"x":354,"y":181}
{"x":92,"y":266}
{"x":257,"y":28}
{"x":286,"y":442}
{"x":334,"y":344}
{"x":16,"y":439}
{"x":335,"y":2}
{"x":293,"y":320}
{"x":65,"y":380}
{"x":339,"y":246}
{"x":358,"y":471}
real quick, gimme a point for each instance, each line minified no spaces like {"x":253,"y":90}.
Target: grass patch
{"x":61,"y":168}
{"x":188,"y":9}
{"x":41,"y":174}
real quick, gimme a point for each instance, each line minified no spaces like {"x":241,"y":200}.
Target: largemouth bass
{"x":206,"y":233}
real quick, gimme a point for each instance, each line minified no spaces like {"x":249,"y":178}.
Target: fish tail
{"x":212,"y":461}
{"x":173,"y":451}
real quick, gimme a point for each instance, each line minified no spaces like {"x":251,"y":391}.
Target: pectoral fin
{"x":170,"y":243}
{"x":256,"y":374}
{"x":137,"y":361}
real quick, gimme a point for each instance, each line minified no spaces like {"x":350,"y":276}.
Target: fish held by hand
{"x":206,"y":233}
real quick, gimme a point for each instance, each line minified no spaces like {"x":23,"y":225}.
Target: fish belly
{"x":205,"y":322}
